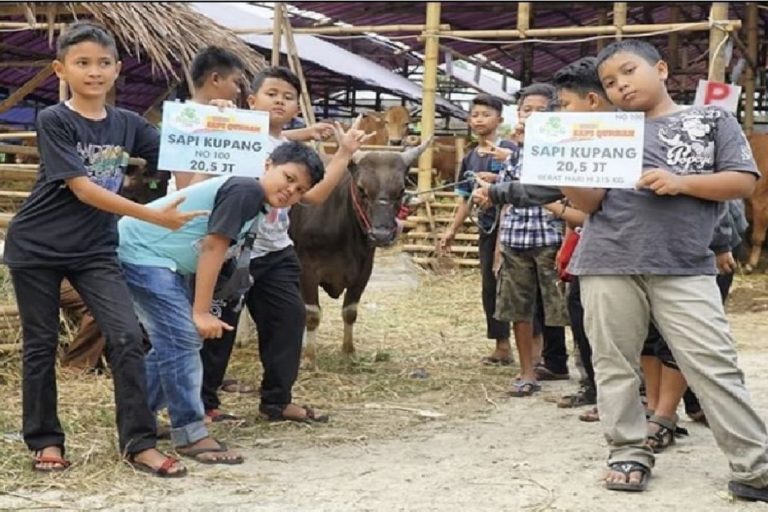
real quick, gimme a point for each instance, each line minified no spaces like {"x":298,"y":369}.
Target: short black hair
{"x":84,"y":32}
{"x":213,"y":59}
{"x":293,"y":152}
{"x":489,"y":101}
{"x":580,"y":77}
{"x":538,"y":89}
{"x":637,"y":46}
{"x":278,"y":72}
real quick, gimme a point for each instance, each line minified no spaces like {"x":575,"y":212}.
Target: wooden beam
{"x":341,"y":30}
{"x":729,"y":25}
{"x":20,"y":93}
{"x":160,"y":99}
{"x":24,"y":63}
{"x":717,"y":36}
{"x":277,"y":27}
{"x":749,"y":85}
{"x":295,"y":64}
{"x":431,"y":50}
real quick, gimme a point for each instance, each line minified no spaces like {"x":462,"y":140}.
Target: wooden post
{"x":295,"y":64}
{"x":277,"y":24}
{"x":523,"y":24}
{"x":619,"y":17}
{"x":20,"y":93}
{"x":674,"y":41}
{"x":431,"y":47}
{"x":523,"y":17}
{"x":717,"y":38}
{"x":749,"y":85}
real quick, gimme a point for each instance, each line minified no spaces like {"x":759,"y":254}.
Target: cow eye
{"x":363,"y":194}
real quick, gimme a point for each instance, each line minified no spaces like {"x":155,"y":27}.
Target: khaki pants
{"x":690,"y":316}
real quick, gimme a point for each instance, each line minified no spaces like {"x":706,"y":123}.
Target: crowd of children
{"x":647,"y":268}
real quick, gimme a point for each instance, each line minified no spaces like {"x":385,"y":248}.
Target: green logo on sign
{"x":188,"y":118}
{"x":553,"y":128}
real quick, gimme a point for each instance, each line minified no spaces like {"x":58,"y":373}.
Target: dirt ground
{"x":485,"y":452}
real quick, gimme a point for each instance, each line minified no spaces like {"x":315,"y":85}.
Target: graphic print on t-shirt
{"x":105,"y":164}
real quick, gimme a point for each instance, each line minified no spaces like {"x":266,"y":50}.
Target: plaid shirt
{"x":527,"y":228}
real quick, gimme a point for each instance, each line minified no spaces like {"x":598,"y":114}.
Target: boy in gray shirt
{"x":645,"y":253}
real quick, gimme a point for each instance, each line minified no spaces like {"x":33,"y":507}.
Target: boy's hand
{"x":446,"y":240}
{"x":725,"y":263}
{"x":222,"y":104}
{"x":351,"y":140}
{"x":498,"y":153}
{"x":518,"y":134}
{"x":481,"y":198}
{"x":663,"y":183}
{"x":209,"y":326}
{"x":170,"y":217}
{"x":485,"y":178}
{"x":321,"y":131}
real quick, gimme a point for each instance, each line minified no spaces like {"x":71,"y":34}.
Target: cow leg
{"x":309,"y":293}
{"x":351,"y":300}
{"x":759,"y":226}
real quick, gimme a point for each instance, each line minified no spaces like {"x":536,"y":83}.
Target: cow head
{"x":377,"y":189}
{"x":397,"y":120}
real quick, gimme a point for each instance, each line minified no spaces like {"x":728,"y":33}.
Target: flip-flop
{"x":162,"y":472}
{"x":544,"y":373}
{"x":63,"y":464}
{"x":193,"y":453}
{"x":627,"y":468}
{"x":276,"y":413}
{"x":235,"y":386}
{"x":747,"y":492}
{"x":494,"y":361}
{"x":521,"y":388}
{"x":217,"y":416}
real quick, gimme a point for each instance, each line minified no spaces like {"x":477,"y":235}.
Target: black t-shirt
{"x":475,"y":162}
{"x":237,"y":201}
{"x":53,"y":227}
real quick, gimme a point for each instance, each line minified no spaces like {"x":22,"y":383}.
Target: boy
{"x":529,"y":238}
{"x":67,"y":229}
{"x":274,"y":301}
{"x":156,"y":262}
{"x":634,"y":262}
{"x":484,"y":121}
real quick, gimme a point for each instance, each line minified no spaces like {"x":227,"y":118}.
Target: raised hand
{"x":169,"y":216}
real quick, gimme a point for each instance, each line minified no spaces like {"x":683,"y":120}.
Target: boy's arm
{"x":317,"y":131}
{"x":213,"y":250}
{"x":462,"y":211}
{"x":588,"y":200}
{"x":519,"y":195}
{"x":168,"y":216}
{"x":349,"y":142}
{"x":718,"y":186}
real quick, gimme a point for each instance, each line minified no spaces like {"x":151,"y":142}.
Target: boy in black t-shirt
{"x":484,"y":120}
{"x":67,"y":228}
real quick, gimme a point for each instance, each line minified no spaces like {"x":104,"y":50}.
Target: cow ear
{"x":357,"y":156}
{"x":409,"y":156}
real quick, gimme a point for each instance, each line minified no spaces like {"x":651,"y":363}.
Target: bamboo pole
{"x":523,"y":17}
{"x":602,"y":20}
{"x":699,"y":26}
{"x":619,"y":18}
{"x":674,"y":41}
{"x":719,"y":12}
{"x":428,"y":96}
{"x":277,"y":27}
{"x":24,"y":63}
{"x":295,"y":64}
{"x":749,"y":85}
{"x":335,"y":30}
{"x":31,"y":84}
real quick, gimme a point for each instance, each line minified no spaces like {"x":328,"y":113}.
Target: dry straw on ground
{"x":417,"y":360}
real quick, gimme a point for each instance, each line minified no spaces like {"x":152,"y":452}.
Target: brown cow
{"x":336,"y":240}
{"x":445,"y":159}
{"x":757,"y":205}
{"x":390,"y":126}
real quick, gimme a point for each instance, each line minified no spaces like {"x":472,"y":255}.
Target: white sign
{"x":568,"y":149}
{"x":717,"y":93}
{"x":203,"y":138}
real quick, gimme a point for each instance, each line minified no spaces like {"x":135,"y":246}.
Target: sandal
{"x":591,"y":416}
{"x":627,"y":468}
{"x":62,"y":464}
{"x":544,"y":373}
{"x":235,"y":386}
{"x":164,"y":471}
{"x":585,"y":396}
{"x":494,"y":361}
{"x":521,"y":388}
{"x":194,"y":453}
{"x":216,"y":416}
{"x":664,"y":437}
{"x":747,"y":492}
{"x":277,"y":413}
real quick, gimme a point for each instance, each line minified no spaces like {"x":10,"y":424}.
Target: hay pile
{"x":418,"y":353}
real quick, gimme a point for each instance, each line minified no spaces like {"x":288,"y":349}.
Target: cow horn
{"x":409,"y":156}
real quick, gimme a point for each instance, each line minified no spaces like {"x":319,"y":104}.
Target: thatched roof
{"x":167,"y":33}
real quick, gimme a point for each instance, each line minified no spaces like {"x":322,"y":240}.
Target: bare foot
{"x":155,"y":460}
{"x":635,"y":477}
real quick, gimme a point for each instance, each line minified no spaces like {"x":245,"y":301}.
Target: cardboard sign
{"x":202,"y":138}
{"x":717,"y":93}
{"x":567,"y":149}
